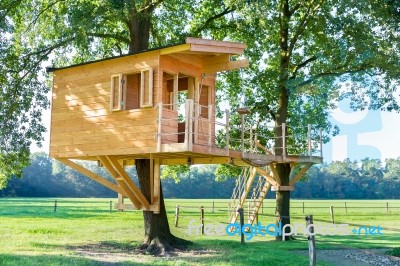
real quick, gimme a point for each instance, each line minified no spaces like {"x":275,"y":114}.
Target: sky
{"x":373,"y":134}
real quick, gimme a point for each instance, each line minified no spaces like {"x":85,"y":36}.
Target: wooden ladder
{"x":259,"y":193}
{"x":241,"y":191}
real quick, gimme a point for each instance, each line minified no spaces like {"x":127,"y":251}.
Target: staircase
{"x":246,"y":184}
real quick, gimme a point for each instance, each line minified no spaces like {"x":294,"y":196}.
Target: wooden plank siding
{"x":81,"y":121}
{"x":82,"y":124}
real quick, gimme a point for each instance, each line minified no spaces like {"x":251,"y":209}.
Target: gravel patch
{"x":355,"y":257}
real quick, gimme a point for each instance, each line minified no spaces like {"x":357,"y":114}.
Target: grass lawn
{"x":85,"y":232}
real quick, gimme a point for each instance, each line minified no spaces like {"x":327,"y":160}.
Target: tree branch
{"x":41,"y":12}
{"x":302,"y":64}
{"x":335,"y":74}
{"x":150,"y":6}
{"x":294,"y":9}
{"x":211,"y":19}
{"x":107,"y":35}
{"x":50,"y":48}
{"x":303,"y":25}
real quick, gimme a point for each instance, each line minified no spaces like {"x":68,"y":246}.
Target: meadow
{"x":86,"y":232}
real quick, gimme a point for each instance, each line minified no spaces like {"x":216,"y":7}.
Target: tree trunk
{"x":282,"y":211}
{"x":139,"y":30}
{"x":158,"y":239}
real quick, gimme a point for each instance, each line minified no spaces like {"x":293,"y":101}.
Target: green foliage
{"x":305,"y":56}
{"x":175,"y":172}
{"x":394,"y":252}
{"x":46,"y":177}
{"x":225,"y":171}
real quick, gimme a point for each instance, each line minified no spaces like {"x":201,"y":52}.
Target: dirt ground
{"x":343,"y":257}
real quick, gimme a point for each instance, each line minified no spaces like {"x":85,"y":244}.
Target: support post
{"x":251,"y":139}
{"x":242,"y":133}
{"x":320,"y":141}
{"x":190,"y":128}
{"x":309,"y":140}
{"x":332,"y":215}
{"x":241,"y":215}
{"x":176,"y":215}
{"x":345,"y":206}
{"x":311,"y":241}
{"x":213,"y":207}
{"x":110,"y":206}
{"x":387,"y":206}
{"x":303,"y":206}
{"x":202,"y":219}
{"x":159,"y":127}
{"x":227,"y":130}
{"x":55,"y":205}
{"x":120,"y":202}
{"x":210,"y":110}
{"x":187,"y":121}
{"x":284,"y":141}
{"x":156,"y":185}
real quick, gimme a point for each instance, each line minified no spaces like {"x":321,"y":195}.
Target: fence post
{"x":303,"y":206}
{"x":213,"y":207}
{"x":229,"y":212}
{"x":248,"y":209}
{"x":241,"y":214}
{"x":176,"y":215}
{"x":311,"y":241}
{"x":345,"y":206}
{"x":387,"y":206}
{"x":110,"y":206}
{"x":332,"y":217}
{"x":262,"y":207}
{"x":202,"y":219}
{"x":55,"y":205}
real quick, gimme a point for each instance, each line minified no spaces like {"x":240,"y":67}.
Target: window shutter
{"x":146,"y":88}
{"x":117,"y":93}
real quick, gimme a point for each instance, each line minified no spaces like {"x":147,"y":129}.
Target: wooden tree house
{"x":158,"y":104}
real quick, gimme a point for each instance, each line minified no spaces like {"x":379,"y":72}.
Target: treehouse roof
{"x":194,"y":46}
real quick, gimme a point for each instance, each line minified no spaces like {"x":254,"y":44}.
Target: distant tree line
{"x":368,"y":179}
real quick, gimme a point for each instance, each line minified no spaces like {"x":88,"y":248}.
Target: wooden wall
{"x":82,"y":123}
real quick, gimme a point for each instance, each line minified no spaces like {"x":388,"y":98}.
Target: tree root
{"x":160,"y":246}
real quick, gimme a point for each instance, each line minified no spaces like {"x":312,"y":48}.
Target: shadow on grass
{"x":202,"y":252}
{"x":49,"y":260}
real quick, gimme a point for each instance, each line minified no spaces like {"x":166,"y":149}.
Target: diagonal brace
{"x":300,"y":173}
{"x":92,"y":175}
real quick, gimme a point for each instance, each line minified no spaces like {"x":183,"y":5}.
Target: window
{"x":132,"y":91}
